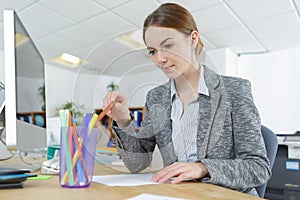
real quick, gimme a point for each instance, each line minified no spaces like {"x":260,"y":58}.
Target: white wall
{"x":275,"y":83}
{"x":135,"y":87}
{"x":59,"y":84}
{"x":275,"y":79}
{"x":63,"y":85}
{"x":222,"y":61}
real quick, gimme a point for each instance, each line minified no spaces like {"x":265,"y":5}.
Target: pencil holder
{"x":77,"y":155}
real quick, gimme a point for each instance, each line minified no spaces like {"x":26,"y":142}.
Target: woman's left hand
{"x":180,"y":172}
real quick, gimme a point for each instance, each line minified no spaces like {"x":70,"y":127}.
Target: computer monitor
{"x":24,"y":74}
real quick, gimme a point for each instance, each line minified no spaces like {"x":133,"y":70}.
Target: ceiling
{"x":87,"y":28}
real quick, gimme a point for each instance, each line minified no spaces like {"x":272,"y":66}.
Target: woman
{"x":206,"y":125}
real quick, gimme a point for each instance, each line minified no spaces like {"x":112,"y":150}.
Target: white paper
{"x":152,"y":197}
{"x":125,"y":179}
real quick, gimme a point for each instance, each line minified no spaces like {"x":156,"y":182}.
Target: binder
{"x":13,"y":178}
{"x":138,"y":115}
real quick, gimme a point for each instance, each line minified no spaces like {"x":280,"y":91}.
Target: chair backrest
{"x":271,"y":143}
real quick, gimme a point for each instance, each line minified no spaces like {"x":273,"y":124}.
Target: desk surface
{"x":50,"y":189}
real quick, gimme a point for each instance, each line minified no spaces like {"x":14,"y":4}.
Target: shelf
{"x":37,"y":118}
{"x":137,"y":112}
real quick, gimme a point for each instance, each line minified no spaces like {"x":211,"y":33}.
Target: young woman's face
{"x":172,"y":51}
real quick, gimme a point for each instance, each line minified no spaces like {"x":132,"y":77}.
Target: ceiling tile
{"x":81,"y":34}
{"x":60,"y":43}
{"x":84,"y":52}
{"x":111,"y":3}
{"x":44,"y":18}
{"x":132,"y":62}
{"x":248,"y":10}
{"x":105,"y":53}
{"x":194,"y":5}
{"x":36,"y":32}
{"x":207,"y":44}
{"x":289,"y":40}
{"x":230,"y":36}
{"x":276,"y":26}
{"x":47,"y":51}
{"x":136,"y":11}
{"x":75,"y":10}
{"x":214,"y":18}
{"x":16,"y":5}
{"x":109,"y":24}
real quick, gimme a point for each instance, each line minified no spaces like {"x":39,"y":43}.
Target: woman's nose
{"x":161,"y":57}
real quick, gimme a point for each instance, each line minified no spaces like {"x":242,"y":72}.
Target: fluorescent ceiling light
{"x":68,"y":60}
{"x":133,"y":40}
{"x":20,"y":39}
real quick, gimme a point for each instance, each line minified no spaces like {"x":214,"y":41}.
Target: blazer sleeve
{"x":136,"y":148}
{"x":250,"y":166}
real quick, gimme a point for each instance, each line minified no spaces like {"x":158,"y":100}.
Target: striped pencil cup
{"x":77,"y":156}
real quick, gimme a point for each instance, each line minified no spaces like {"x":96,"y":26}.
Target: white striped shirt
{"x":185,"y":124}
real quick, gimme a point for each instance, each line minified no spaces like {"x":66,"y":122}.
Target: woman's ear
{"x":194,"y":38}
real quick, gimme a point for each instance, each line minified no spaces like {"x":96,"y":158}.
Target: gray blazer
{"x":229,"y":140}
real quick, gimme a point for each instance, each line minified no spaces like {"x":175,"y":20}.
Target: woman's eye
{"x":151,"y":52}
{"x":168,"y":46}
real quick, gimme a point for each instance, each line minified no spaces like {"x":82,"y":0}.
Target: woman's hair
{"x":171,"y":15}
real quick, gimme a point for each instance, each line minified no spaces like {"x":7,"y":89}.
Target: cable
{"x":36,"y":167}
{"x":7,"y":158}
{"x":4,"y":143}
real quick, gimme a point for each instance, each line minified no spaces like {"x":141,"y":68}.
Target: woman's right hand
{"x":120,"y":111}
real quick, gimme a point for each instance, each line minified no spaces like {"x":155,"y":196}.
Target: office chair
{"x":271,"y":143}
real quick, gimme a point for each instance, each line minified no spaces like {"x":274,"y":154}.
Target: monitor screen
{"x":25,"y":121}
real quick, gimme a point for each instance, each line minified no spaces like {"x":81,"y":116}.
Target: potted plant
{"x":75,"y":109}
{"x":42,"y":94}
{"x":112,"y":87}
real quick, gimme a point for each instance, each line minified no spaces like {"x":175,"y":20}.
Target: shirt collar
{"x":202,"y":88}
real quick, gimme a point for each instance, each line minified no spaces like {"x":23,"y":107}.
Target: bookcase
{"x":38,"y":118}
{"x":137,"y":112}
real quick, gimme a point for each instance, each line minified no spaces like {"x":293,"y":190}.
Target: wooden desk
{"x":50,"y":189}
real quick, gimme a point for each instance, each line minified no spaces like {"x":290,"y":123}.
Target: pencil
{"x":77,"y":154}
{"x":91,"y":124}
{"x":63,"y":116}
{"x":103,"y":113}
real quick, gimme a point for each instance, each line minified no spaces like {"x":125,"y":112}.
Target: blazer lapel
{"x":163,"y":125}
{"x":208,"y":111}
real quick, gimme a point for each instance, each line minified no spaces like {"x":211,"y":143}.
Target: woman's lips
{"x":168,"y":68}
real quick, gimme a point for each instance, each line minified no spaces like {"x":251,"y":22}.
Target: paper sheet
{"x":125,"y":179}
